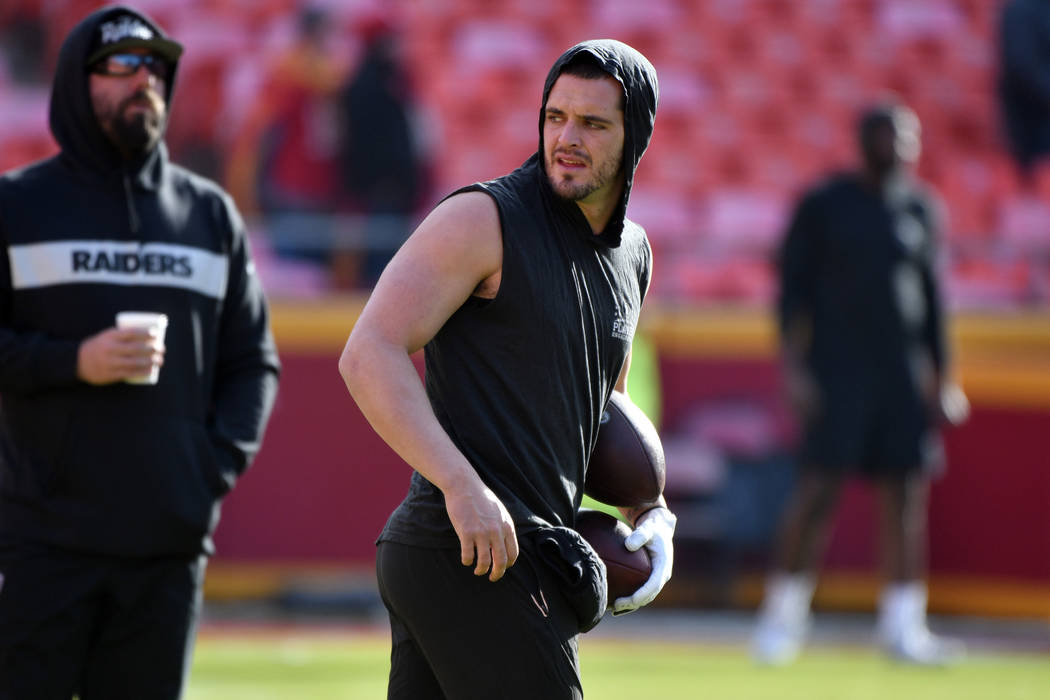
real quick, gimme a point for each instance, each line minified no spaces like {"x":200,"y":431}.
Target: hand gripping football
{"x":627,"y":466}
{"x":627,"y":571}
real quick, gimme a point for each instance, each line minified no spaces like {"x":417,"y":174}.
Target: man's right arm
{"x":794,"y":310}
{"x":456,"y":249}
{"x":29,"y":361}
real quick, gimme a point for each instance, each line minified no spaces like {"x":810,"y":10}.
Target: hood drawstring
{"x":133,"y":216}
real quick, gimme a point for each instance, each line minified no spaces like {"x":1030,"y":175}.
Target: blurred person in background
{"x":284,"y":164}
{"x":381,"y":159}
{"x":23,"y":43}
{"x":1024,"y":81}
{"x":865,"y":367}
{"x":525,"y":292}
{"x":109,"y":489}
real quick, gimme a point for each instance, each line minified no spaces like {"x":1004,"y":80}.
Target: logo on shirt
{"x":123,"y":28}
{"x":623,"y":328}
{"x":122,"y":263}
{"x":148,"y":263}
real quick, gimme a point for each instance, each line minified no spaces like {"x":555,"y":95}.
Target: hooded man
{"x":117,"y":445}
{"x":525,"y":292}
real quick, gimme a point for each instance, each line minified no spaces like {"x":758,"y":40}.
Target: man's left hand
{"x":654,"y":531}
{"x":954,"y":407}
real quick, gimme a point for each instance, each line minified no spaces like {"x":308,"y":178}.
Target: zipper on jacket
{"x":133,"y":216}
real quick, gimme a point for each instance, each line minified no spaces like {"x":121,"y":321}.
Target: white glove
{"x":653,"y":531}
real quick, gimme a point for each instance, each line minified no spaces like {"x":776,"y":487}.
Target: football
{"x":627,"y":466}
{"x":627,"y":570}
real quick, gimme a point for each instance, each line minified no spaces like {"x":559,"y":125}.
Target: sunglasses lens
{"x":157,"y":66}
{"x":123,"y":64}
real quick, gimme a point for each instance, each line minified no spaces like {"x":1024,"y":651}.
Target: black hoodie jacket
{"x":519,"y":382}
{"x":131,"y":470}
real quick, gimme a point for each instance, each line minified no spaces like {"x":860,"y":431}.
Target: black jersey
{"x":519,"y":382}
{"x":860,"y":266}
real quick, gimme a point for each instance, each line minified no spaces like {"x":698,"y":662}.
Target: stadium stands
{"x":758,"y":98}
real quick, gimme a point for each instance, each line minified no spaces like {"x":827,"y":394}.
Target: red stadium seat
{"x":742,"y":219}
{"x":980,"y":282}
{"x":1024,"y":225}
{"x":23,"y":150}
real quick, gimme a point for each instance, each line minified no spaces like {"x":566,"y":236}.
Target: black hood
{"x":72,"y":118}
{"x":638,"y":77}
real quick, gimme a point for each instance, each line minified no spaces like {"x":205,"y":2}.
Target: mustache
{"x":143,"y":96}
{"x":574,"y":155}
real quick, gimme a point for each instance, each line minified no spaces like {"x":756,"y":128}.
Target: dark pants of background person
{"x":457,"y":636}
{"x":104,"y":628}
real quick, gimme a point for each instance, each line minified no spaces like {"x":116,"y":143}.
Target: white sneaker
{"x":921,"y":647}
{"x":903,"y":632}
{"x":778,"y":644}
{"x":783,"y":620}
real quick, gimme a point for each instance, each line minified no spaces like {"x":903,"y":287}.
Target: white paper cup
{"x":157,"y":324}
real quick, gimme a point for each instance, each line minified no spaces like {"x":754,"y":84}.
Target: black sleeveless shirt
{"x":519,"y":381}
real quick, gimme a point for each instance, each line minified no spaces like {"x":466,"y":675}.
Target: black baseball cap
{"x":129,"y":30}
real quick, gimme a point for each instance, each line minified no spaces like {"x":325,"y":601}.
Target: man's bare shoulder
{"x":457,"y":247}
{"x":472,"y":213}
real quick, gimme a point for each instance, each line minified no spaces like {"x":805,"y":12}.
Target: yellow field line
{"x":968,"y":595}
{"x":1001,"y":360}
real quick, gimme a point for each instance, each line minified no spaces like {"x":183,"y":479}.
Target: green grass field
{"x":231,"y":666}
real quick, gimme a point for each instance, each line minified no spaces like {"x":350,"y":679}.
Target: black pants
{"x":457,"y":636}
{"x":101,"y":627}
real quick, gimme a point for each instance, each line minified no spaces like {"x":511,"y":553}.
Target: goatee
{"x":137,"y":134}
{"x":570,"y":191}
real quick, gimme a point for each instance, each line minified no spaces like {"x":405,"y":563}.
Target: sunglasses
{"x":124,"y":64}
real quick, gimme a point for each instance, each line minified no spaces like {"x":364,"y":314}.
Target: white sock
{"x":788,"y":597}
{"x":902,"y":607}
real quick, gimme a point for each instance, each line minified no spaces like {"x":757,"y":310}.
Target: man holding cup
{"x":155,"y":326}
{"x":137,"y":374}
